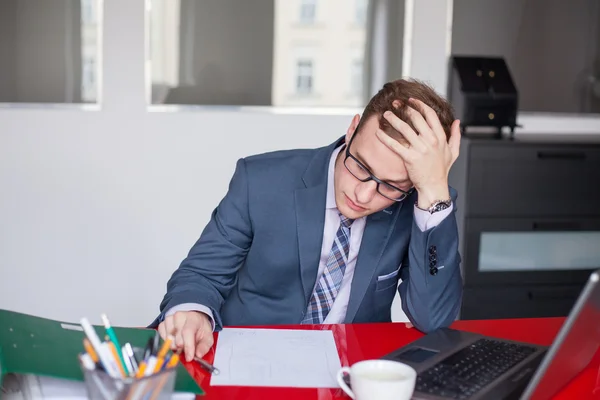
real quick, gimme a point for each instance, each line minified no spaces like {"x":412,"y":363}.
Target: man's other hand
{"x":192,"y":333}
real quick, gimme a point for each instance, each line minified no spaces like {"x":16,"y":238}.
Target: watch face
{"x":442,"y":205}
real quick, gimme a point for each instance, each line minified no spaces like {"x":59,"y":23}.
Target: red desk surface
{"x":358,"y":342}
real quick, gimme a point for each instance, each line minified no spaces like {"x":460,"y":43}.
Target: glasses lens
{"x":391,"y":193}
{"x":356,"y":170}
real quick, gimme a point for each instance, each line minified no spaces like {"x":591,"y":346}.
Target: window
{"x":88,"y":79}
{"x":551,"y":47}
{"x":255,"y":53}
{"x":308,"y":11}
{"x":360,"y":14}
{"x":48,"y":51}
{"x":356,"y":77}
{"x":304,"y":76}
{"x":88,"y":11}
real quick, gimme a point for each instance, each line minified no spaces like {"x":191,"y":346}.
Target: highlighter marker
{"x":113,"y":338}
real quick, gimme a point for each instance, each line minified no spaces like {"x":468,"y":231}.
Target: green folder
{"x":40,"y":346}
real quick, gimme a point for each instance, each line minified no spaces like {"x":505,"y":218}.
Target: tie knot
{"x":346,"y":222}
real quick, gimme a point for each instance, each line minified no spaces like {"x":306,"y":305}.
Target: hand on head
{"x":426,"y":152}
{"x":192,"y":331}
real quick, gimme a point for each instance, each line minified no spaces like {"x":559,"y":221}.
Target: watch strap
{"x":436,"y":206}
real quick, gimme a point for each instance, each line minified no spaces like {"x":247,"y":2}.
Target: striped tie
{"x":329,"y":284}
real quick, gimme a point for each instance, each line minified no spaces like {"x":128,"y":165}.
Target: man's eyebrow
{"x":396,"y":182}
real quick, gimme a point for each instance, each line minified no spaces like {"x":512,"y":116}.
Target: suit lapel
{"x":310,"y":216}
{"x":377,"y":233}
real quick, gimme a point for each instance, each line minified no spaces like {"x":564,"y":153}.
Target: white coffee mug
{"x":379,"y":380}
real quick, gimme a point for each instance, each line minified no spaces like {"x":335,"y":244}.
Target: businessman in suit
{"x":324,"y":235}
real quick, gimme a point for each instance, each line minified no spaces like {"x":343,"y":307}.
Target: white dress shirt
{"x":423,"y":219}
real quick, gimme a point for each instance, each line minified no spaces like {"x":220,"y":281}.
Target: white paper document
{"x":276,"y":357}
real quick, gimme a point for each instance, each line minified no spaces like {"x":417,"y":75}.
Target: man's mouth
{"x":353,"y":205}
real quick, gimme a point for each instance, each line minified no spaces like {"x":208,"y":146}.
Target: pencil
{"x":173,"y":360}
{"x":90,"y":350}
{"x":141,"y":370}
{"x":165,"y":347}
{"x":115,"y":354}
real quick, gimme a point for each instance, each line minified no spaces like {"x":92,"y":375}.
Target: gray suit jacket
{"x":256,"y":261}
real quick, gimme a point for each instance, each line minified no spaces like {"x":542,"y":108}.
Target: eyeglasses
{"x":362,"y":173}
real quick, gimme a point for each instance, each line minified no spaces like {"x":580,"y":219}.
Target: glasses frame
{"x":372,"y":177}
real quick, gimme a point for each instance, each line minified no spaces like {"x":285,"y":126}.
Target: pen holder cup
{"x":101,"y":386}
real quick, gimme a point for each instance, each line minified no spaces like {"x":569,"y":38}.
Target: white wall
{"x":97,"y":208}
{"x":112,"y":201}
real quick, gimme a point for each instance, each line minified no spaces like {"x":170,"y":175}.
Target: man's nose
{"x":365,"y":191}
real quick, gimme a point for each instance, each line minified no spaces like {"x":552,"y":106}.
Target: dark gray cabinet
{"x":529,"y":222}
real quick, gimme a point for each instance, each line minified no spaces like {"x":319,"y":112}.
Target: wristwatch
{"x":437,"y":205}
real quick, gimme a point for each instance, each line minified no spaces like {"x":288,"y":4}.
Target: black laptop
{"x":452,"y":364}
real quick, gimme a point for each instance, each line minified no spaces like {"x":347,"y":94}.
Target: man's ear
{"x":352,"y":127}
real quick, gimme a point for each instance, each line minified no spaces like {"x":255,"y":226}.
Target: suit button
{"x":432,"y":264}
{"x":433,"y":271}
{"x":432,"y":258}
{"x":432,"y":250}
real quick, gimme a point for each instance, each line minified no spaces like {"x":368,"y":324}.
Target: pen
{"x":113,"y":337}
{"x":148,"y":350}
{"x":128,"y":350}
{"x":208,"y":366}
{"x":113,"y":362}
{"x":97,"y":345}
{"x":115,"y":354}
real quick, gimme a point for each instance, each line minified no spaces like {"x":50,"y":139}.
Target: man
{"x":324,"y":235}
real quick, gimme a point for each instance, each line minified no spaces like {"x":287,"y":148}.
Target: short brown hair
{"x":401,"y":90}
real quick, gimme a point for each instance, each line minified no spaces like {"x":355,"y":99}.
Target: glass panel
{"x":49,"y":51}
{"x":552,"y":48}
{"x":539,"y":251}
{"x":268,"y":52}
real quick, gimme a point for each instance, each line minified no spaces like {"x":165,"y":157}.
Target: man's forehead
{"x":367,"y":147}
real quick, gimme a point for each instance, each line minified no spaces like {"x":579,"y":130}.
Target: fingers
{"x":179,"y":321}
{"x":204,"y":337}
{"x":188,"y":333}
{"x":162,"y":331}
{"x":393,"y":144}
{"x":204,"y":345}
{"x":421,"y":125}
{"x":169,"y":325}
{"x":433,"y":121}
{"x":454,"y":142}
{"x":402,"y":127}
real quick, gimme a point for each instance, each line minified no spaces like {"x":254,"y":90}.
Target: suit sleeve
{"x":209,"y":272}
{"x":431,"y":288}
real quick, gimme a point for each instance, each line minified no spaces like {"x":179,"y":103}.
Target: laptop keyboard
{"x":469,"y":370}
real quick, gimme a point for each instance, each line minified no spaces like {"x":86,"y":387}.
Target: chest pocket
{"x":388,"y":280}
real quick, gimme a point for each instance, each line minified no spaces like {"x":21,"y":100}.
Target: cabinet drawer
{"x":518,"y":301}
{"x":533,"y":181}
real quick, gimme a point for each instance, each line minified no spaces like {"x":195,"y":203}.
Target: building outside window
{"x":304,"y":76}
{"x":356,"y":77}
{"x":360,"y":12}
{"x":308,"y":11}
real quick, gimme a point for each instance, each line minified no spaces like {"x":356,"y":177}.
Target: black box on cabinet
{"x":482,"y":92}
